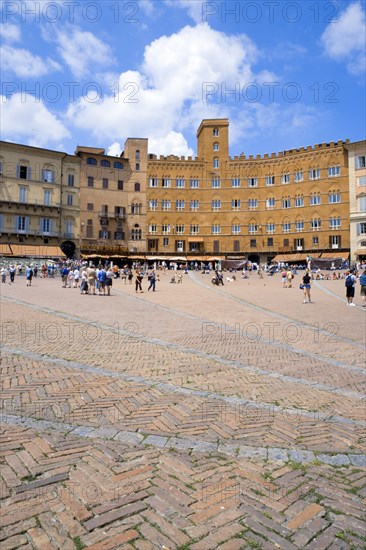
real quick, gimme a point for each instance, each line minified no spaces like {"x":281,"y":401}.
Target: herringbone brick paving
{"x":128,"y":424}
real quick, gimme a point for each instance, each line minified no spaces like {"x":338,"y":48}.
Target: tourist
{"x":289,"y":277}
{"x":138,"y":280}
{"x":152,"y":279}
{"x":363,"y":287}
{"x":3,"y":274}
{"x":306,"y":283}
{"x":350,"y":282}
{"x":108,"y":281}
{"x":29,"y":275}
{"x":91,"y":277}
{"x":102,"y":276}
{"x":12,"y":271}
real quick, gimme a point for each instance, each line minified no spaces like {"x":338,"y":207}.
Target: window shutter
{"x":51,"y":226}
{"x":16,"y":222}
{"x":41,"y":224}
{"x":28,"y":173}
{"x":18,"y":171}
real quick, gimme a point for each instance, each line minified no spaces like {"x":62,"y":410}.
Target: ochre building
{"x":39,"y":200}
{"x":284,"y":204}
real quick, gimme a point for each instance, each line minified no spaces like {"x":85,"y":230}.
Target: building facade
{"x":302,"y":202}
{"x":357,"y":184}
{"x":39,"y":196}
{"x":295,"y":202}
{"x":112,"y":199}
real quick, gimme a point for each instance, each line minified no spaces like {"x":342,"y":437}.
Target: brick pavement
{"x":194,"y":417}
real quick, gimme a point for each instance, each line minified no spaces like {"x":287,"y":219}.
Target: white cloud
{"x":83,"y":52}
{"x":10,"y":32}
{"x":345,"y":40}
{"x":170,"y":86}
{"x":114,"y":150}
{"x":193,"y":7}
{"x":26,"y":119}
{"x":23,"y":63}
{"x":173,"y":143}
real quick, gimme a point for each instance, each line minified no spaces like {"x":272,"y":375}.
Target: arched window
{"x":137,"y":186}
{"x":105,"y":163}
{"x":118,"y":165}
{"x":215,"y":146}
{"x":137,"y":154}
{"x":215,"y":131}
{"x":215,"y":162}
{"x":137,"y":166}
{"x":136,"y":233}
{"x":91,"y":161}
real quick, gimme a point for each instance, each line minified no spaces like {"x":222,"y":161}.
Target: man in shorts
{"x":350,"y":282}
{"x":91,"y":276}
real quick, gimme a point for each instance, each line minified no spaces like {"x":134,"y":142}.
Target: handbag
{"x":301,"y":286}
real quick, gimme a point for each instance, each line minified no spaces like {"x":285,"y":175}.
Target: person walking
{"x":29,"y":275}
{"x":284,"y":278}
{"x":350,"y":283}
{"x":138,"y":280}
{"x":306,"y":283}
{"x":91,"y":276}
{"x":363,"y":287}
{"x":152,"y":279}
{"x":102,"y":276}
{"x":12,"y":271}
{"x":109,"y":281}
{"x":289,"y":277}
{"x":64,"y":275}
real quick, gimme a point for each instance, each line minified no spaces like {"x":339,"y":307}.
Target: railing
{"x":31,"y":203}
{"x":37,"y":233}
{"x":111,"y":215}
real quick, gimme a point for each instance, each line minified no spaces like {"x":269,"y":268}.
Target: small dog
{"x":179,"y":278}
{"x":231,"y":279}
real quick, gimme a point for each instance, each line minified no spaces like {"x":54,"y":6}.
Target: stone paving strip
{"x":53,"y":389}
{"x":203,"y":378}
{"x":73,"y":491}
{"x":300,"y":456}
{"x":139,"y":352}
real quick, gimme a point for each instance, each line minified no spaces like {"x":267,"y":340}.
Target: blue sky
{"x":286,"y":73}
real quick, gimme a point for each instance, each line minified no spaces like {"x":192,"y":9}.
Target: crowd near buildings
{"x":283,"y":206}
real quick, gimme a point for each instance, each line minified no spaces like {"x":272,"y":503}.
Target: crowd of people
{"x":98,"y":279}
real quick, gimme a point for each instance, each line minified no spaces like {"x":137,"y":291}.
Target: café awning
{"x":300,"y":257}
{"x":342,"y":255}
{"x":5,"y":250}
{"x":20,"y":250}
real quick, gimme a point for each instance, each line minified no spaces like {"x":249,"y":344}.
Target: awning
{"x":153,"y":258}
{"x":178,"y":259}
{"x":195,"y":239}
{"x":36,"y":251}
{"x":214,"y":259}
{"x":361,"y":252}
{"x":136,"y":257}
{"x":5,"y":250}
{"x":342,"y":255}
{"x":294,"y":257}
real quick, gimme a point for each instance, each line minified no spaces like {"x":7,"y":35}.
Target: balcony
{"x":25,"y":205}
{"x":26,"y":232}
{"x":112,"y":215}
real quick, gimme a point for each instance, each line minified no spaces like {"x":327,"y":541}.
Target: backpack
{"x":349,"y":280}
